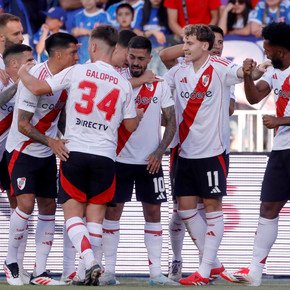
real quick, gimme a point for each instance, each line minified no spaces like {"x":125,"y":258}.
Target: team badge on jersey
{"x":149,"y":87}
{"x":205,"y":80}
{"x":21,"y":181}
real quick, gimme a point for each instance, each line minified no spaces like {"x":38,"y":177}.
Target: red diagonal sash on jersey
{"x":123,"y":133}
{"x":42,"y":126}
{"x":282,"y":102}
{"x":6,"y":123}
{"x":194,"y":104}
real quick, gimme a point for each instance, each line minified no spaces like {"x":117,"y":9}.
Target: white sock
{"x":96,"y":232}
{"x":81,"y":269}
{"x":213,"y":238}
{"x":43,"y":241}
{"x":266,"y":235}
{"x":195,"y":226}
{"x":177,"y":232}
{"x":153,"y":243}
{"x":21,"y":249}
{"x":69,"y":255}
{"x":111,"y":237}
{"x":17,"y":228}
{"x":201,"y":210}
{"x":80,"y":238}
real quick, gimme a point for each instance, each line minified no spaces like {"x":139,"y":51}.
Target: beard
{"x":277,"y":63}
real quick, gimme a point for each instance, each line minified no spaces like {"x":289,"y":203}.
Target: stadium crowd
{"x":92,"y":86}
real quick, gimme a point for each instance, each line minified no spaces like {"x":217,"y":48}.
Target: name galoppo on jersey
{"x":279,"y":82}
{"x":46,"y":110}
{"x":202,"y":105}
{"x":134,"y":148}
{"x":99,"y":98}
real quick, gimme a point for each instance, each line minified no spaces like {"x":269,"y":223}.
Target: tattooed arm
{"x":8,"y":94}
{"x":155,"y":158}
{"x":25,"y":127}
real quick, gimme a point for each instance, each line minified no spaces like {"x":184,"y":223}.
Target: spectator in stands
{"x":90,"y":17}
{"x":71,"y":7}
{"x":179,"y":15}
{"x":268,"y":11}
{"x":55,"y":18}
{"x":136,"y":4}
{"x":234,"y":18}
{"x":124,"y":16}
{"x":151,"y":21}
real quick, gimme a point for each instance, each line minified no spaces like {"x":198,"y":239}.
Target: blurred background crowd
{"x":159,"y":20}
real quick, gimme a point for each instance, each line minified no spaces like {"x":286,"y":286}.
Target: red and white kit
{"x":6,"y":114}
{"x":46,"y":111}
{"x":151,"y":98}
{"x":202,"y":105}
{"x":95,"y":110}
{"x":279,"y":82}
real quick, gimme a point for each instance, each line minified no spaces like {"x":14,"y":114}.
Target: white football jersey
{"x":279,"y":82}
{"x":99,"y":98}
{"x":46,"y":110}
{"x":6,"y":114}
{"x":134,"y":148}
{"x":202,"y":105}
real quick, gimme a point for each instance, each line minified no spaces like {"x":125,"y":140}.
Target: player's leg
{"x":150,"y":190}
{"x":176,"y":226}
{"x":274,"y":194}
{"x":21,"y":170}
{"x":111,"y":226}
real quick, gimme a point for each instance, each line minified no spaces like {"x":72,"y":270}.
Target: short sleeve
{"x":129,"y":109}
{"x":61,"y":80}
{"x":167,"y":99}
{"x":27,"y":101}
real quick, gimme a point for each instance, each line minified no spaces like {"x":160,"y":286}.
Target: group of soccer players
{"x":102,"y":119}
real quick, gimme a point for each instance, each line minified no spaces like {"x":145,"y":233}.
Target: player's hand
{"x":154,"y":161}
{"x":270,"y":122}
{"x":262,"y":67}
{"x":150,"y":77}
{"x":248,"y":66}
{"x":140,"y":113}
{"x":160,"y":36}
{"x":59,"y":149}
{"x":26,"y":67}
{"x":4,"y":77}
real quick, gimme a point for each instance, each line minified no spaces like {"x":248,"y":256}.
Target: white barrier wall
{"x":241,"y":208}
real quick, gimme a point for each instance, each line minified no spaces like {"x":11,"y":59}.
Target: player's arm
{"x":272,"y":122}
{"x":256,"y":70}
{"x":8,"y":94}
{"x":170,"y":54}
{"x":25,"y":127}
{"x":155,"y":158}
{"x":232,"y":106}
{"x":147,"y":77}
{"x":61,"y":121}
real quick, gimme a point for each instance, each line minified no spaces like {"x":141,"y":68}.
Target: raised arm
{"x":170,"y":54}
{"x":155,"y":158}
{"x":147,"y":77}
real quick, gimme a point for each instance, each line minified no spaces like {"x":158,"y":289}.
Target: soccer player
{"x":14,"y":56}
{"x":99,"y":99}
{"x":139,"y":163}
{"x":170,"y":56}
{"x":202,"y":113}
{"x":275,"y":187}
{"x":32,"y":164}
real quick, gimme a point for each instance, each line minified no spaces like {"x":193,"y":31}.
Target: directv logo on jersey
{"x":90,"y":124}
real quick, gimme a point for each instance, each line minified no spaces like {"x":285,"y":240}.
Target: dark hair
{"x":59,"y":40}
{"x":232,"y":17}
{"x":161,"y":14}
{"x":7,"y":17}
{"x":15,"y":49}
{"x":106,"y":33}
{"x":202,"y":32}
{"x":216,"y":29}
{"x":125,"y":5}
{"x":277,"y":34}
{"x":140,"y":42}
{"x":125,"y":36}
